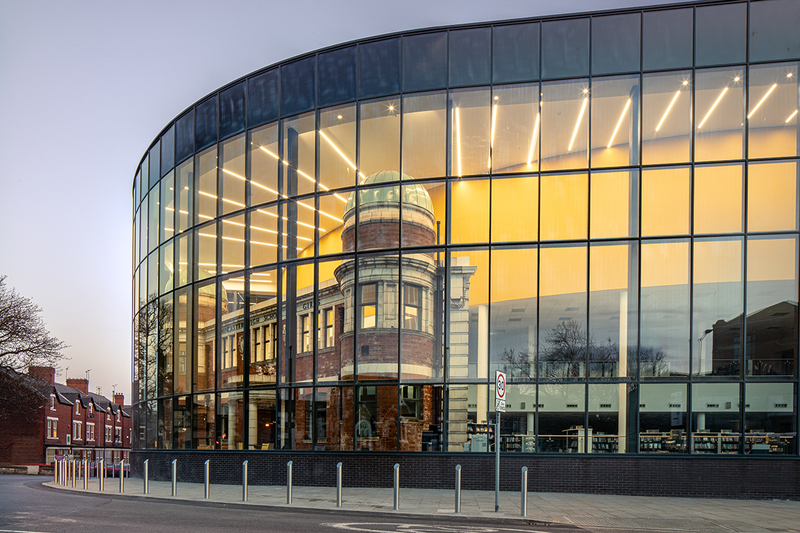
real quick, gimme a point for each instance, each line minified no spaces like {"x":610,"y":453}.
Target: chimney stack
{"x":119,"y":398}
{"x":81,"y":384}
{"x":45,"y":373}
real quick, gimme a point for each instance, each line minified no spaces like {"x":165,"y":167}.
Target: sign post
{"x":499,"y":407}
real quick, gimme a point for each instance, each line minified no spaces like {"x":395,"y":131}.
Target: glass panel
{"x":515,"y":131}
{"x":613,"y":310}
{"x":470,"y":54}
{"x":718,"y":199}
{"x":515,"y":50}
{"x":263,"y":241}
{"x":333,"y":418}
{"x":615,"y":198}
{"x":615,"y":121}
{"x":717,"y":307}
{"x":379,"y":141}
{"x":206,"y":185}
{"x":205,"y":341}
{"x":330,"y":324}
{"x":469,"y":218}
{"x":151,"y":415}
{"x":262,"y":420}
{"x":183,"y":344}
{"x":773,"y":27}
{"x":565,"y":124}
{"x":142,"y":238}
{"x":470,"y":142}
{"x":300,"y":330}
{"x":263,"y":328}
{"x":421,"y":350}
{"x":264,"y":164}
{"x":152,"y":222}
{"x":152,"y":280}
{"x":469,"y":315}
{"x":565,"y":48}
{"x":772,"y":113}
{"x":299,"y":150}
{"x":663,"y":350}
{"x":379,"y":68}
{"x":148,"y":328}
{"x":203,"y":434}
{"x":232,"y":244}
{"x":231,"y":110}
{"x":716,"y":422}
{"x":612,"y":421}
{"x":561,"y":418}
{"x":662,"y":418}
{"x":205,"y":123}
{"x":155,"y":164}
{"x":262,"y":98}
{"x":167,"y":207}
{"x":377,"y":315}
{"x":183,"y":256}
{"x":424,"y":61}
{"x":184,"y":136}
{"x":337,"y":147}
{"x":771,"y":338}
{"x":562,"y":312}
{"x":181,"y":423}
{"x":167,"y":268}
{"x":231,"y":175}
{"x":183,"y":197}
{"x":230,"y":420}
{"x":665,"y":201}
{"x":517,"y":425}
{"x":770,"y":420}
{"x":564,"y":206}
{"x":232,"y":356}
{"x":376,"y":414}
{"x":772,"y":196}
{"x":512,"y":337}
{"x":666,"y":118}
{"x":720,"y":34}
{"x":329,"y":234}
{"x":667,"y":39}
{"x":299,"y":226}
{"x":515,"y":203}
{"x":421,"y":420}
{"x":719,"y":105}
{"x":424,"y":129}
{"x":206,"y":245}
{"x":168,"y":150}
{"x":298,"y":86}
{"x":615,"y":43}
{"x":466,"y":428}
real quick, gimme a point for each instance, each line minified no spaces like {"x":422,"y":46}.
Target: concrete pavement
{"x":592,"y":512}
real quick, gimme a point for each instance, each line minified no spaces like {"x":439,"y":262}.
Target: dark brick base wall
{"x":642,"y":476}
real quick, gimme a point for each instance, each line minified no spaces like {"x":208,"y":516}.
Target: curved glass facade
{"x":339,"y":251}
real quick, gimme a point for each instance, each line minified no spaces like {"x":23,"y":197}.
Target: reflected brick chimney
{"x":45,"y":373}
{"x":119,"y":398}
{"x":81,"y":384}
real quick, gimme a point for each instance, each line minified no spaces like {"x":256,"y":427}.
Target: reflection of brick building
{"x":770,"y":342}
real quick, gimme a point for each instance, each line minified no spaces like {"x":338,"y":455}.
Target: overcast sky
{"x":86,"y":86}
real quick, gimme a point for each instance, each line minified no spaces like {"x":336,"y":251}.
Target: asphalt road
{"x":25,"y":505}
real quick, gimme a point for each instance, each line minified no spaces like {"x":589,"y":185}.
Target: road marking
{"x":419,"y":528}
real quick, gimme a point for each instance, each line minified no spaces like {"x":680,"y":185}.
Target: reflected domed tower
{"x":375,"y":303}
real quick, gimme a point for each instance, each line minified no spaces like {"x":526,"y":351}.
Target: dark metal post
{"x":289,"y":483}
{"x":458,"y":488}
{"x":207,"y":479}
{"x":497,"y":464}
{"x":86,"y":473}
{"x":122,"y":476}
{"x":524,"y":502}
{"x":174,"y":477}
{"x":146,"y":476}
{"x":396,"y":487}
{"x":244,"y":481}
{"x":339,"y":484}
{"x":101,"y":466}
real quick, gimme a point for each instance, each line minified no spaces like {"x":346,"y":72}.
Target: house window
{"x":91,"y":410}
{"x":226,"y":349}
{"x":411,"y":401}
{"x":118,"y":435}
{"x":52,"y":402}
{"x":78,"y":407}
{"x":368,"y":305}
{"x":412,"y":307}
{"x":258,"y":343}
{"x":76,"y":431}
{"x":329,"y":328}
{"x":117,"y":416}
{"x":306,"y":325}
{"x":89,"y":432}
{"x":52,"y":428}
{"x":108,"y":433}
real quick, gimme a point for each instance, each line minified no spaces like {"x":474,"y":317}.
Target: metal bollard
{"x":174,"y":477}
{"x":86,"y":473}
{"x":338,"y":484}
{"x":55,"y":471}
{"x":101,"y":475}
{"x":244,"y":481}
{"x":122,"y":476}
{"x":146,"y":475}
{"x":524,"y":503}
{"x":207,"y":479}
{"x":458,"y":488}
{"x":289,"y":483}
{"x":75,"y":469}
{"x":396,"y":486}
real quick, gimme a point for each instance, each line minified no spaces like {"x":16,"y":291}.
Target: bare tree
{"x":24,"y":342}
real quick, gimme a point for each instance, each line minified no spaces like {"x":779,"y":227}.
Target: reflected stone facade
{"x":329,"y":265}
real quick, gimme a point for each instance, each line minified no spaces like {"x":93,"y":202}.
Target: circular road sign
{"x":500,"y":384}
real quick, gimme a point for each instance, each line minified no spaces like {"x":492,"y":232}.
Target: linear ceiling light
{"x":491,"y":139}
{"x":762,"y":100}
{"x":306,"y":176}
{"x":791,"y":116}
{"x":533,"y":139}
{"x":712,"y":107}
{"x":669,"y":107}
{"x":578,"y":124}
{"x":619,"y":123}
{"x":458,"y":141}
